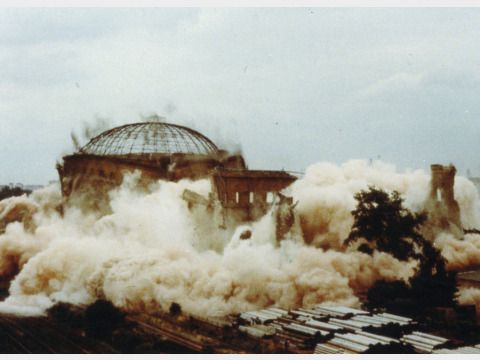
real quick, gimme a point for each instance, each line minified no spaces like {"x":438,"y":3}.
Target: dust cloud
{"x":89,"y":130}
{"x":151,"y":250}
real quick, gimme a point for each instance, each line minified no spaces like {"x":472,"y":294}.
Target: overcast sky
{"x":290,"y":86}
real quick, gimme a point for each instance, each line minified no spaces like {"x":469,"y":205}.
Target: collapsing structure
{"x":172,"y":152}
{"x":444,"y":211}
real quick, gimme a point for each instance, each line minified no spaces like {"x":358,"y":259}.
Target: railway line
{"x":43,"y":335}
{"x":101,"y":328}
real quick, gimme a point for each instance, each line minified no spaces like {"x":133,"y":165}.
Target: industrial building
{"x":171,"y":152}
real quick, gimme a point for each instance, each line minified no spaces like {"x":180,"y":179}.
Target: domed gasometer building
{"x":172,"y":152}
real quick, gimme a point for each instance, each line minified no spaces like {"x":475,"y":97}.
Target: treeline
{"x":9,"y":191}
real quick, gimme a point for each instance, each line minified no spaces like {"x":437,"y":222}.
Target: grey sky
{"x":292,"y":86}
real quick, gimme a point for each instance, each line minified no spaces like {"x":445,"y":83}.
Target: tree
{"x":385,"y":224}
{"x":102,"y":318}
{"x":175,"y":309}
{"x":381,"y":222}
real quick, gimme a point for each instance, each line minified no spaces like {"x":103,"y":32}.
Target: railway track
{"x":42,"y":335}
{"x":173,"y":336}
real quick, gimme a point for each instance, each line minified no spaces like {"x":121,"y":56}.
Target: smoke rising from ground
{"x":151,"y":250}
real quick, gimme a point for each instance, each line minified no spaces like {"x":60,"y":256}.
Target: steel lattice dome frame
{"x":149,"y":138}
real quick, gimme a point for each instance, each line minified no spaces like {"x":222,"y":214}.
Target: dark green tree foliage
{"x":381,"y":222}
{"x":7,"y":191}
{"x":102,"y":318}
{"x":387,"y":226}
{"x":175,"y":309}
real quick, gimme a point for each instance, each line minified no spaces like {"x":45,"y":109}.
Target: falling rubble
{"x":163,"y":151}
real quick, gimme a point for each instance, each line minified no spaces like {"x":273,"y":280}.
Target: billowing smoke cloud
{"x":89,"y":131}
{"x":325,"y":196}
{"x":151,"y":250}
{"x":469,"y":295}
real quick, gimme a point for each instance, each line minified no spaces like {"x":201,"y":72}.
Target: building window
{"x":261,"y":197}
{"x":270,"y":197}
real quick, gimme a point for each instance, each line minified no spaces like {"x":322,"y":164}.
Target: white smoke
{"x":326,"y":196}
{"x":470,"y":295}
{"x":151,"y":250}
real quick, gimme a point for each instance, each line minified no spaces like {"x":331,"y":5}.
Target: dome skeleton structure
{"x":163,"y":151}
{"x":149,"y":138}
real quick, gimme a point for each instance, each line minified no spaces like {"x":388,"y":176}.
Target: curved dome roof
{"x":148,"y":138}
